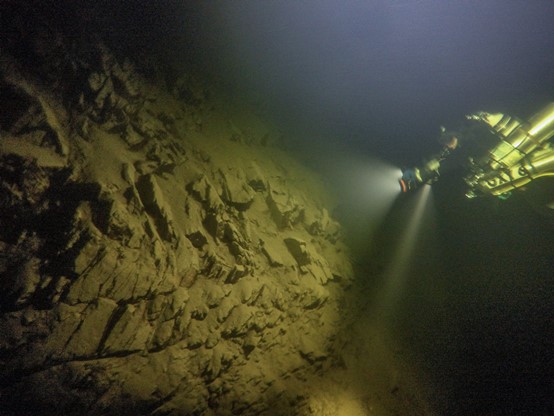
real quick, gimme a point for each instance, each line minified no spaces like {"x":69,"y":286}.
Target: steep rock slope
{"x":159,"y":254}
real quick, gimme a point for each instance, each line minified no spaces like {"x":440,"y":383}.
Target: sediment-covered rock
{"x":154,"y":259}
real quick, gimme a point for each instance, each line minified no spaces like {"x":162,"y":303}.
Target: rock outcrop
{"x":157,"y":255}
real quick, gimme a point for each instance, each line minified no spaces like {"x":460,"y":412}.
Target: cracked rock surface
{"x":157,"y":256}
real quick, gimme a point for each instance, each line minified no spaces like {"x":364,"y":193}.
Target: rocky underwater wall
{"x":158,"y":253}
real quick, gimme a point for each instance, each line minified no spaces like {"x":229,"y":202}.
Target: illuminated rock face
{"x":158,"y":257}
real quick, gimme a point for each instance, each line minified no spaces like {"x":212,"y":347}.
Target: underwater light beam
{"x":395,"y":273}
{"x":365,"y":186}
{"x":380,"y":187}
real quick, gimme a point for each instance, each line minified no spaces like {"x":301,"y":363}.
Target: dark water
{"x":377,"y":79}
{"x":478,"y":312}
{"x":502,"y":280}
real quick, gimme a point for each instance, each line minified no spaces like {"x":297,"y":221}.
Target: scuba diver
{"x":522,"y":152}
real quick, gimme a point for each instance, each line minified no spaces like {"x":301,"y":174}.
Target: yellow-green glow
{"x":542,"y":124}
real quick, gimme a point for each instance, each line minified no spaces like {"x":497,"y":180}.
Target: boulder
{"x":299,"y":250}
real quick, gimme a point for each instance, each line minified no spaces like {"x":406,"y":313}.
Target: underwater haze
{"x":382,"y":75}
{"x":360,"y":88}
{"x":463,"y":289}
{"x":376,"y":79}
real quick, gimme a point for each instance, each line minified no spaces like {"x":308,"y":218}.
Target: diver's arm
{"x":428,"y":173}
